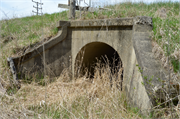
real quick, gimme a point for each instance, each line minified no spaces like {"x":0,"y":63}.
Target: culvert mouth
{"x":97,"y":54}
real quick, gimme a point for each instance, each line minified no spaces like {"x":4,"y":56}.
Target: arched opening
{"x":94,"y":53}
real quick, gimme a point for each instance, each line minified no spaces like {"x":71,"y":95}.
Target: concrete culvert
{"x":96,"y":54}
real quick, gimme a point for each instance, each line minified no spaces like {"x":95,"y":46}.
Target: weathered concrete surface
{"x":57,"y":52}
{"x":152,"y":74}
{"x":129,"y":37}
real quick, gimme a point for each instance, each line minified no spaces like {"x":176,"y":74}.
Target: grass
{"x":81,"y":98}
{"x":73,"y":99}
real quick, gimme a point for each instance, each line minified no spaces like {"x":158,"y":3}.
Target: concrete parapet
{"x":99,"y":23}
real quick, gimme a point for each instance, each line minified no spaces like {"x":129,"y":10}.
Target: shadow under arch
{"x":93,"y":53}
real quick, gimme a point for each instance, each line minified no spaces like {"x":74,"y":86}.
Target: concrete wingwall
{"x":129,"y":37}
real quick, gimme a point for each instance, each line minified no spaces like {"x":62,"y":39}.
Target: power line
{"x":37,"y":7}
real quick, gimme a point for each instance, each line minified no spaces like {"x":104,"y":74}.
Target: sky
{"x":21,"y":8}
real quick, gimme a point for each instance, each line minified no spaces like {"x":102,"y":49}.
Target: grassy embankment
{"x":81,"y":98}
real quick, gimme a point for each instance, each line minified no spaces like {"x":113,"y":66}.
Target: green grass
{"x":29,"y":28}
{"x":18,"y":33}
{"x":176,"y":64}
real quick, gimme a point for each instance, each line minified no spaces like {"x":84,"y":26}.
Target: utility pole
{"x":89,"y":3}
{"x":68,"y":2}
{"x":74,"y":5}
{"x":72,"y":9}
{"x":37,"y":7}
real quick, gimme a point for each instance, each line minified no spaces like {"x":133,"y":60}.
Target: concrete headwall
{"x":129,"y":37}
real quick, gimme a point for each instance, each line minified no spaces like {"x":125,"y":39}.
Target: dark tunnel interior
{"x":93,"y":53}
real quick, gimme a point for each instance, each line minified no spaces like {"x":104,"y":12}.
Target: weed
{"x":176,"y":64}
{"x":79,"y":98}
{"x":12,"y":90}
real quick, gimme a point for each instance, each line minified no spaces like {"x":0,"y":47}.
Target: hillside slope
{"x":90,"y":100}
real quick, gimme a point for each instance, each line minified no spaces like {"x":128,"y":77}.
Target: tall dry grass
{"x":79,"y":98}
{"x":100,"y":97}
{"x":82,"y":98}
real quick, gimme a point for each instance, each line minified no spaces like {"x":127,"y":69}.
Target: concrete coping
{"x":98,"y":22}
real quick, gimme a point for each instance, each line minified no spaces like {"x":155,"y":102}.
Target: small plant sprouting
{"x":140,"y":70}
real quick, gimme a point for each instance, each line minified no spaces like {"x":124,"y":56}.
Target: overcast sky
{"x":20,"y":8}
